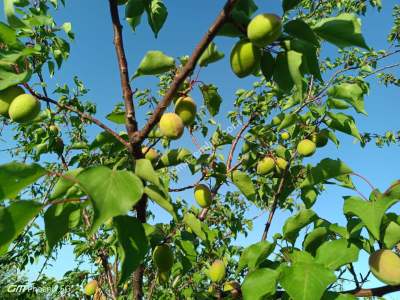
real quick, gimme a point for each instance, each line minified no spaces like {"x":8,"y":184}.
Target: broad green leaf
{"x":314,"y":239}
{"x":64,"y":183}
{"x":253,"y":255}
{"x":144,"y":169}
{"x":295,"y":60}
{"x":8,"y":79}
{"x":16,"y":176}
{"x":295,"y":223}
{"x":161,"y":198}
{"x":299,"y":29}
{"x":281,"y":72}
{"x":59,"y":219}
{"x":370,"y":212}
{"x":133,"y":242}
{"x":289,"y":4}
{"x":8,"y":35}
{"x":351,"y":93}
{"x":116,"y":117}
{"x":287,"y":121}
{"x":156,"y":15}
{"x":324,"y":170}
{"x":343,"y":123}
{"x":210,"y":55}
{"x":309,"y":196}
{"x":13,"y":220}
{"x":154,"y":63}
{"x":211,"y":97}
{"x":259,"y":284}
{"x":343,"y":30}
{"x":134,"y":8}
{"x":174,"y":157}
{"x":243,"y":183}
{"x":334,"y":254}
{"x":112,"y":192}
{"x":195,"y":225}
{"x":306,"y":280}
{"x":391,"y":234}
{"x":267,"y":64}
{"x":9,"y":11}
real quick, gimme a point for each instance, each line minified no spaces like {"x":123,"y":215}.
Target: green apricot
{"x":285,"y":135}
{"x":264,"y":29}
{"x":7,"y":96}
{"x":265,"y":166}
{"x":24,"y":108}
{"x":321,"y":138}
{"x":185,"y":108}
{"x":171,"y":126}
{"x":54,"y":129}
{"x":91,"y":287}
{"x":281,"y":163}
{"x":202,"y":195}
{"x":245,"y":58}
{"x":385,"y":265}
{"x":217,"y":271}
{"x":163,"y":258}
{"x":306,"y":148}
{"x":150,"y":154}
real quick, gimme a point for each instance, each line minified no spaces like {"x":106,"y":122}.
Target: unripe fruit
{"x":163,"y":277}
{"x":385,"y":265}
{"x":108,"y":224}
{"x":185,"y":108}
{"x":7,"y":96}
{"x":285,"y":136}
{"x":320,"y":138}
{"x":265,"y":166}
{"x":264,"y":29}
{"x":163,"y":258}
{"x":306,"y":148}
{"x":150,"y":154}
{"x":203,"y":196}
{"x":217,"y":271}
{"x":54,"y":129}
{"x":245,"y":58}
{"x":24,"y":108}
{"x":91,"y":287}
{"x":281,"y":163}
{"x":171,"y":126}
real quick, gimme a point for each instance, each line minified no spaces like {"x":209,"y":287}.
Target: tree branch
{"x":189,"y":67}
{"x":374,"y":292}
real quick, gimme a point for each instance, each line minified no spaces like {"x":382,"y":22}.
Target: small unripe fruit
{"x":24,"y":108}
{"x":91,"y":287}
{"x":185,"y":108}
{"x":264,"y":29}
{"x":320,"y":138}
{"x":281,"y":163}
{"x":171,"y":126}
{"x":163,"y":258}
{"x":285,"y":136}
{"x":217,"y":271}
{"x":150,"y":154}
{"x":265,"y":166}
{"x":306,"y":148}
{"x":203,"y":196}
{"x":385,"y":265}
{"x":245,"y":58}
{"x":54,"y":129}
{"x":7,"y":96}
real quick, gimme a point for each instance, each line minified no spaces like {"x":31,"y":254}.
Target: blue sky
{"x":93,"y":60}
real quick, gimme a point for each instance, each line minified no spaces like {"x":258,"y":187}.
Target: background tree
{"x":103,"y":195}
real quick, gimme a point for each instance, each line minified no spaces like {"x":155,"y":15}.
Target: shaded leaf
{"x":253,"y":255}
{"x":211,"y":97}
{"x":334,"y":254}
{"x":295,"y":223}
{"x":210,"y":55}
{"x":195,"y":225}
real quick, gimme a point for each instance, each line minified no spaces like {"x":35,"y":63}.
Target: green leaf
{"x":8,"y":35}
{"x":295,"y":223}
{"x":8,"y":79}
{"x":16,"y":176}
{"x":64,"y":183}
{"x":343,"y":123}
{"x":174,"y":157}
{"x":161,"y":198}
{"x":342,"y":31}
{"x":144,"y":169}
{"x":243,"y":183}
{"x":282,"y":75}
{"x":289,"y":4}
{"x":134,"y":8}
{"x":154,"y":63}
{"x":352,"y":93}
{"x":211,"y":97}
{"x":370,"y":212}
{"x":11,"y":17}
{"x":210,"y":55}
{"x":112,"y":192}
{"x":394,"y":190}
{"x":306,"y":280}
{"x":287,"y":121}
{"x":253,"y":255}
{"x":299,"y":29}
{"x":116,"y":117}
{"x":334,"y":254}
{"x":156,"y":15}
{"x":324,"y":170}
{"x":267,"y":64}
{"x":314,"y":239}
{"x":195,"y":225}
{"x":260,"y":284}
{"x":391,"y":235}
{"x":59,"y":219}
{"x":13,"y":220}
{"x":338,"y":296}
{"x":134,"y":244}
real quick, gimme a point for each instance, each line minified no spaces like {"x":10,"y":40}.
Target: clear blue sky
{"x":93,"y":60}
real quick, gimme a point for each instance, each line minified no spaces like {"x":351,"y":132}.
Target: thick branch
{"x":374,"y":292}
{"x":189,"y":67}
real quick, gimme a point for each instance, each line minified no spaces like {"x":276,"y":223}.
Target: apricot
{"x":24,"y":108}
{"x":264,"y":29}
{"x":202,"y":195}
{"x":171,"y":126}
{"x":150,"y":154}
{"x":245,"y":58}
{"x":7,"y":96}
{"x":90,"y":287}
{"x":163,"y":258}
{"x":306,"y":147}
{"x":185,"y":108}
{"x":217,"y":271}
{"x":385,"y":265}
{"x":265,"y":166}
